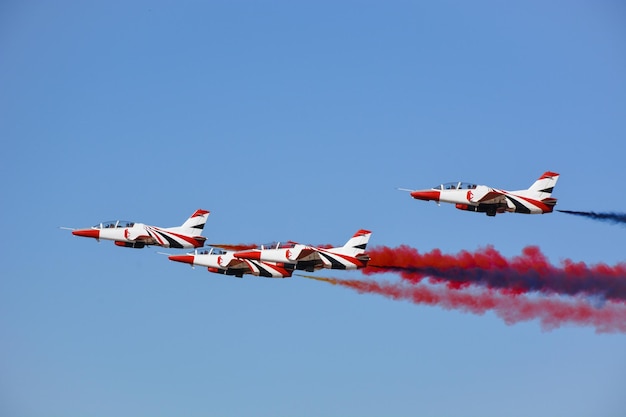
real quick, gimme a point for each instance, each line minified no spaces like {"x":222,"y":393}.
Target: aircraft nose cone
{"x":250,"y":254}
{"x":94,"y":233}
{"x":426,"y":195}
{"x":186,"y":259}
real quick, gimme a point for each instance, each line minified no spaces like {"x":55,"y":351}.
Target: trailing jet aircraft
{"x":280,"y":260}
{"x":220,"y":261}
{"x":137,"y":235}
{"x":484,"y":199}
{"x":309,"y":258}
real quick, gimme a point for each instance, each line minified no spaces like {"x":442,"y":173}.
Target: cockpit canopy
{"x":455,"y":186}
{"x":278,"y":245}
{"x":210,"y":251}
{"x":114,"y":224}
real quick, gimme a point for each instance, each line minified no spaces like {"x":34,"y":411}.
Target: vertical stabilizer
{"x":543,"y":187}
{"x":195,"y":224}
{"x":356,"y":245}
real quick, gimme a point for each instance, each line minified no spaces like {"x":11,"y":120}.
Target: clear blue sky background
{"x":297,"y":120}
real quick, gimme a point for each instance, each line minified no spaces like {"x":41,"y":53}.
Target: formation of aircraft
{"x":280,"y":260}
{"x":138,"y":235}
{"x":484,"y":199}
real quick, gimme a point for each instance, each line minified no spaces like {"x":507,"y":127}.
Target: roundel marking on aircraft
{"x":126,"y":233}
{"x":288,"y":254}
{"x":219,"y":260}
{"x":470,"y":195}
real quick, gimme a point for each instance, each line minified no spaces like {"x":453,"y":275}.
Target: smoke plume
{"x":512,"y":308}
{"x":615,"y":218}
{"x":529,"y":272}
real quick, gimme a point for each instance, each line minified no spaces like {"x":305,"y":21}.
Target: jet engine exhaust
{"x":551,"y":312}
{"x":529,"y":272}
{"x":615,"y":218}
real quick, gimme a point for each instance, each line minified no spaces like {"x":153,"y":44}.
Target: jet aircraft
{"x":309,"y":258}
{"x":220,"y":261}
{"x":138,"y":235}
{"x":484,"y":199}
{"x":280,"y":260}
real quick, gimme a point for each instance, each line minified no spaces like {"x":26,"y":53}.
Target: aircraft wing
{"x":335,"y":258}
{"x":239,"y":267}
{"x":309,"y":260}
{"x":488,"y":200}
{"x":486,"y":195}
{"x":235,"y":264}
{"x":308,"y":254}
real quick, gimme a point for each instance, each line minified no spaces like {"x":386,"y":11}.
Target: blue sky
{"x":297,"y":120}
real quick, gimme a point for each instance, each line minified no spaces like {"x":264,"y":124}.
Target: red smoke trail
{"x":487,"y":267}
{"x":551,"y":313}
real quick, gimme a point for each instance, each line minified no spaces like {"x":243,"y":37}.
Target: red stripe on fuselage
{"x":155,"y":235}
{"x":194,"y":240}
{"x":351,"y":259}
{"x":540,"y":205}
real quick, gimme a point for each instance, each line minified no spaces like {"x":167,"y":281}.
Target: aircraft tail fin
{"x":544,"y":186}
{"x":195,"y":224}
{"x":356,"y":245}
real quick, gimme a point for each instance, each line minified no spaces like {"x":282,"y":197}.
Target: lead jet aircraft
{"x":484,"y":199}
{"x":220,"y":261}
{"x":309,"y":258}
{"x":137,"y":235}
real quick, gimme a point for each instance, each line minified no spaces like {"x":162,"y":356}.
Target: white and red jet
{"x":137,"y":235}
{"x":483,"y":199}
{"x":220,"y":261}
{"x":280,"y":260}
{"x":310,"y":258}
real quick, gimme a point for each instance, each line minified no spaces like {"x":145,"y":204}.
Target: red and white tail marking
{"x":195,"y":224}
